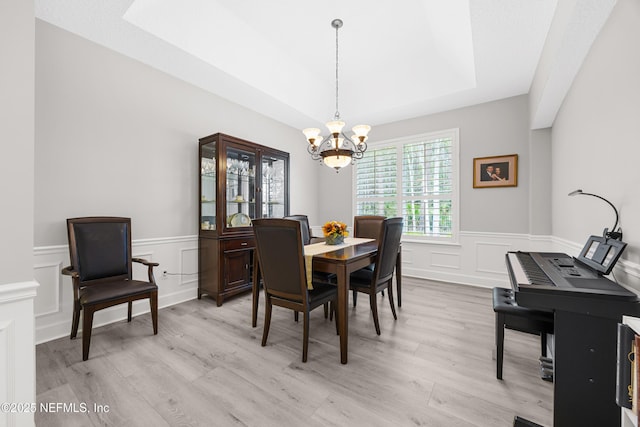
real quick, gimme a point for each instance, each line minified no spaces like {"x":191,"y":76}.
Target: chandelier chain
{"x":337,"y":114}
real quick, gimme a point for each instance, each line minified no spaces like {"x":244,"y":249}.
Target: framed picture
{"x":497,"y":171}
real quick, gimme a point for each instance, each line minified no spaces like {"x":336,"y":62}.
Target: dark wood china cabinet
{"x":239,"y":182}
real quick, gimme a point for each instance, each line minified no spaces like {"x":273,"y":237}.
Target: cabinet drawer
{"x":236,"y":244}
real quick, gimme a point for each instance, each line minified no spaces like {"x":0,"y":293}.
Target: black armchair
{"x":101,"y":272}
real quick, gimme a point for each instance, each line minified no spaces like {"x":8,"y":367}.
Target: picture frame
{"x":496,"y":171}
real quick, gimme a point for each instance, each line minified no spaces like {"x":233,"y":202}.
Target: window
{"x":416,"y":178}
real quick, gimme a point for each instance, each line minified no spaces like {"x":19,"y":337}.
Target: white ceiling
{"x":397,"y":60}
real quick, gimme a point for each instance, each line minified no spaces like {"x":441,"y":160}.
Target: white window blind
{"x":414,"y":177}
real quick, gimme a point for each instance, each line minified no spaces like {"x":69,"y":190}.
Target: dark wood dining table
{"x":342,"y":262}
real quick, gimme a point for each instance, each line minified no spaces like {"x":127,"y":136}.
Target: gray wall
{"x":490,"y":129}
{"x":116,"y":137}
{"x":540,"y":182}
{"x":596,"y":137}
{"x":17,"y":140}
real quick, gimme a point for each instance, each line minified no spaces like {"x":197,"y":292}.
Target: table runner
{"x":321,"y":248}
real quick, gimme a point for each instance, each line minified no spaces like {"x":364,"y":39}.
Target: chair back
{"x":367,"y":226}
{"x":100,"y":248}
{"x":280,"y":253}
{"x":388,"y":245}
{"x":305,"y":229}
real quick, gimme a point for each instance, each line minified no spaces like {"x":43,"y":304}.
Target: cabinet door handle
{"x":244,"y":244}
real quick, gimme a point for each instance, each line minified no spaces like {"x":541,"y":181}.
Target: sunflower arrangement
{"x":335,"y":229}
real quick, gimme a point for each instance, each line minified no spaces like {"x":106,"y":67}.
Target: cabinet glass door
{"x":208,"y":186}
{"x":240,"y":188}
{"x":274,"y":186}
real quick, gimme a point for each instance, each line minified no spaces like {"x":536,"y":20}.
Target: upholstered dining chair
{"x":307,"y":239}
{"x":380,"y":278}
{"x":366,"y":226}
{"x":305,"y":229}
{"x":101,"y":272}
{"x":280,"y":254}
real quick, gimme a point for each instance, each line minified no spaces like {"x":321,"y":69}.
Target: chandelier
{"x":338,"y":150}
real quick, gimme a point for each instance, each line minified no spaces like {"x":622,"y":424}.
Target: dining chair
{"x":366,"y":226}
{"x":101,"y":272}
{"x":280,"y":254}
{"x":305,"y":229}
{"x":380,"y":278}
{"x":307,"y":239}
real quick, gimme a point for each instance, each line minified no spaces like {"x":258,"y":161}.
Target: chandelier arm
{"x":357,"y":155}
{"x":315,"y":154}
{"x":358,"y":146}
{"x":347,"y":139}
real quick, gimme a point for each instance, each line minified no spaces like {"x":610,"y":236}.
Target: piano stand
{"x":585,"y":374}
{"x":546,"y":368}
{"x":587,"y":310}
{"x":512,"y":316}
{"x":522,"y":422}
{"x":584,"y":359}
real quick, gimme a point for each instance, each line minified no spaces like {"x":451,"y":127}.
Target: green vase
{"x":334,"y":240}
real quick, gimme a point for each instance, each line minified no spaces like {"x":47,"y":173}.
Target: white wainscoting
{"x":478,"y":259}
{"x":17,"y":350}
{"x":178,"y":256}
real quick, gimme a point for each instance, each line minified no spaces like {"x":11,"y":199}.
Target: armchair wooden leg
{"x":333,"y":310}
{"x":129,"y":311}
{"x":295,"y":316}
{"x":326,"y":310}
{"x":153,"y":302}
{"x":87,"y":323}
{"x":355,"y":297}
{"x":76,"y":320}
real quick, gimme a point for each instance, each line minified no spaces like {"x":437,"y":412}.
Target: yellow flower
{"x":335,"y":228}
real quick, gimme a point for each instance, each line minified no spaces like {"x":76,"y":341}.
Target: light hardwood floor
{"x":434,"y":366}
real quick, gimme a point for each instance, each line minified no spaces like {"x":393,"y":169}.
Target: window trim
{"x":454,"y":134}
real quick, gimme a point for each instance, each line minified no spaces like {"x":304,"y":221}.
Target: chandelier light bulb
{"x":311,"y":133}
{"x":335,"y":126}
{"x":361,"y":131}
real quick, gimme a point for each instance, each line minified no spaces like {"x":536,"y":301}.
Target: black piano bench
{"x":512,"y":316}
